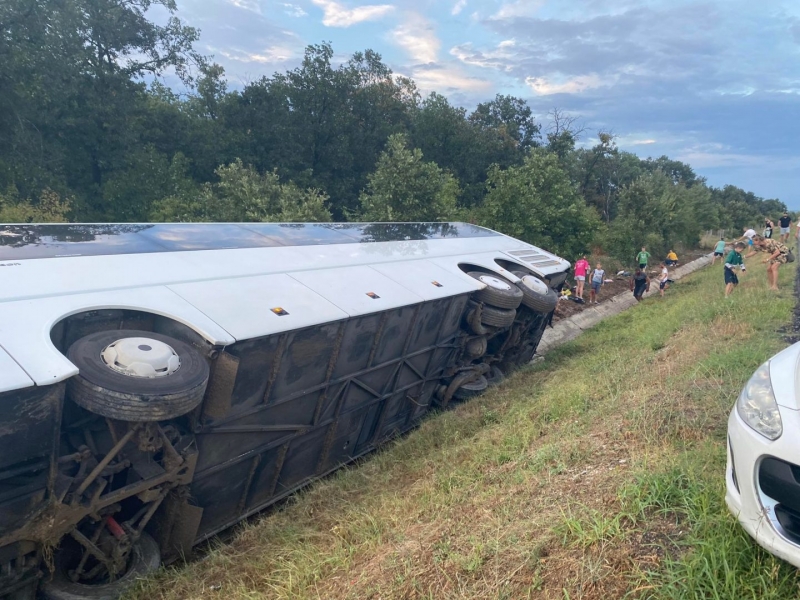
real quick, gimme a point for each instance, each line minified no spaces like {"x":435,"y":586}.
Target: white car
{"x":763,"y":472}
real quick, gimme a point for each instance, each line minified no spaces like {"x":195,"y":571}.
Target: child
{"x":672,"y":259}
{"x":663,"y":283}
{"x":640,"y":283}
{"x":732,"y":262}
{"x":581,"y":269}
{"x":597,"y":282}
{"x":642,"y":257}
{"x":719,"y":250}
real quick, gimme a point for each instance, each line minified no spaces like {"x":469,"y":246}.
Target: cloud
{"x":642,"y":142}
{"x":271,"y":55}
{"x":499,"y":58}
{"x":336,"y":14}
{"x":293,"y":10}
{"x":518,"y":8}
{"x":446,"y":79}
{"x":575,"y":85}
{"x":417,"y":37}
{"x":458,"y":7}
{"x":251,"y":5}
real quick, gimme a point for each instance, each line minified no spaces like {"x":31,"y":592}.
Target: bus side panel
{"x":305,"y":402}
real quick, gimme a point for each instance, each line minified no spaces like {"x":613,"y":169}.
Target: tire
{"x":103,"y":391}
{"x":495,"y":317}
{"x":471,"y":389}
{"x":536,"y":294}
{"x":495,"y":376}
{"x":146,"y":559}
{"x":498,"y":292}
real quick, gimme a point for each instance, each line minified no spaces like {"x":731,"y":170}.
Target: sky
{"x":715,"y":84}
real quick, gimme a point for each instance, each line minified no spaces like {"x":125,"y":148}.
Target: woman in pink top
{"x":581,"y":268}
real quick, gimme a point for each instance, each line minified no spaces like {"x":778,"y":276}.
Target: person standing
{"x":777,"y":255}
{"x":640,"y":283}
{"x":642,"y":258}
{"x":581,"y":269}
{"x":786,"y":226}
{"x":733,"y":261}
{"x":598,"y":276}
{"x":768,"y":227}
{"x":719,"y":250}
{"x":663,"y":282}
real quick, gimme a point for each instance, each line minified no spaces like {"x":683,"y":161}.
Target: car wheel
{"x":145,"y":558}
{"x":471,"y":389}
{"x":136,"y":376}
{"x":536,"y":294}
{"x":498,"y":292}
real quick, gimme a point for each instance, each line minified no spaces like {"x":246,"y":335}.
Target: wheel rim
{"x":141,"y":357}
{"x":535,"y":284}
{"x":494,"y":282}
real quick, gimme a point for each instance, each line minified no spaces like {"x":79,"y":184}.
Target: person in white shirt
{"x":747,"y":238}
{"x":662,"y":279}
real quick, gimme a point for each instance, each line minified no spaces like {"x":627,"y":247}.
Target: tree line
{"x":89,"y":133}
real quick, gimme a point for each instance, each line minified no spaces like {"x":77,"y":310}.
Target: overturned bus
{"x":159,"y":383}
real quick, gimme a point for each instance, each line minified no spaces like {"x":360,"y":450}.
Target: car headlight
{"x":757,"y":407}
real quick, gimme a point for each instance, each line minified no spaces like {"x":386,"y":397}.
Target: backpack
{"x":789,"y":256}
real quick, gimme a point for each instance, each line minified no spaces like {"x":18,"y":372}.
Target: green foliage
{"x":48,"y":208}
{"x":537,"y":202}
{"x":243,"y":194}
{"x":405,"y":188}
{"x":658,"y":213}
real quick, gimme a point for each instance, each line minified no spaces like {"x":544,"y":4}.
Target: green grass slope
{"x":597,"y":473}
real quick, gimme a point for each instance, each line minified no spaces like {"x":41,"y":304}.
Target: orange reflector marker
{"x":437,"y":284}
{"x":373,"y":295}
{"x":279,"y":311}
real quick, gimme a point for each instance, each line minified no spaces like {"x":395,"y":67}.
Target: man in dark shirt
{"x":786,"y":224}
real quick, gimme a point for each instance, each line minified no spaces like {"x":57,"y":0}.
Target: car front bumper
{"x":763,"y":484}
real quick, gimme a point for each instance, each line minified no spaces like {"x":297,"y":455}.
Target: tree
{"x":242,"y":194}
{"x":537,"y":202}
{"x":69,"y":96}
{"x":656,"y":212}
{"x":511,"y":118}
{"x":405,"y":188}
{"x":48,"y":208}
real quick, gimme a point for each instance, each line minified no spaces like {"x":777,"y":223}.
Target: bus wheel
{"x":137,"y":376}
{"x":144,"y":558}
{"x":498,"y":292}
{"x":471,"y":389}
{"x":536,"y":294}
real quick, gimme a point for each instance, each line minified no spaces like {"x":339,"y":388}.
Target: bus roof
{"x":22,"y":242}
{"x":232,"y":281}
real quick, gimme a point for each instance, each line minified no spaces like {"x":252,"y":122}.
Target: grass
{"x":596,"y":473}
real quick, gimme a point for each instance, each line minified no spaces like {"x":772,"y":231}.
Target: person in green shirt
{"x":719,"y":250}
{"x":642,"y":257}
{"x":733,"y":261}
